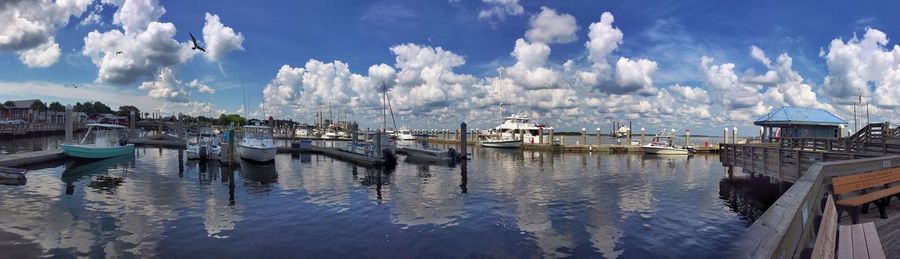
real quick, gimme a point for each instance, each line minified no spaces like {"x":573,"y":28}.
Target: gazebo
{"x":798,"y":122}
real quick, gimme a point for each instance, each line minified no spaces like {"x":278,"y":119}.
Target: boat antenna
{"x":244,"y":94}
{"x":384,"y":108}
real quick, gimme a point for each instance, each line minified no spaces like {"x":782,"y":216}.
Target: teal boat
{"x":109,"y":141}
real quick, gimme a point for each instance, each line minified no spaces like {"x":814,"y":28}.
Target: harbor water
{"x":501,"y":203}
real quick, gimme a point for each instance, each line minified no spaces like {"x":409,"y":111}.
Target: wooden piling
{"x":463,"y":145}
{"x":599,"y":138}
{"x":69,"y":121}
{"x":583,"y":136}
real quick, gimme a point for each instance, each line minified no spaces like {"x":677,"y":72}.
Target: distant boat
{"x":109,"y":141}
{"x":621,"y":132}
{"x":12,"y":176}
{"x":405,"y":134}
{"x":662,"y":144}
{"x":257,"y":144}
{"x":204,"y":145}
{"x":501,"y":143}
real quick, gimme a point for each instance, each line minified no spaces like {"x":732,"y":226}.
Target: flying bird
{"x":196,"y":45}
{"x":74,"y":85}
{"x":119,"y":53}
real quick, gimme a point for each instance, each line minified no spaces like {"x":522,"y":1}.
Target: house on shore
{"x":799,"y":122}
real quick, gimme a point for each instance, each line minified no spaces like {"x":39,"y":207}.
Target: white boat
{"x":329,"y":135}
{"x":522,"y":128}
{"x":621,"y":132}
{"x":429,"y":154}
{"x":109,"y":141}
{"x":406,"y":134}
{"x":203,"y":145}
{"x":662,"y":144}
{"x":501,"y":143}
{"x":257,"y":144}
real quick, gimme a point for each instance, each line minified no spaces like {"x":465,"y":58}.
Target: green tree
{"x":101,"y":108}
{"x":9,"y":104}
{"x":226,"y":119}
{"x":38,"y":106}
{"x":126,"y":109}
{"x":57,"y":107}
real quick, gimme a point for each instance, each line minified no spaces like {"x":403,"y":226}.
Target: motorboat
{"x":430,"y":154}
{"x":501,"y":143}
{"x":12,"y":176}
{"x":203,"y":145}
{"x":663,"y":144}
{"x":406,"y":134}
{"x":329,"y":134}
{"x":257,"y":144}
{"x":621,"y":132}
{"x":520,"y":127}
{"x":109,"y":141}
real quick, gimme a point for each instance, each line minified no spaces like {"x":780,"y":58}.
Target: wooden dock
{"x":20,"y":159}
{"x":608,"y":148}
{"x":336,"y":153}
{"x":158,"y":141}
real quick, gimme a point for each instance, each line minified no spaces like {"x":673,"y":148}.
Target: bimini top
{"x":797,"y":116}
{"x":109,"y":126}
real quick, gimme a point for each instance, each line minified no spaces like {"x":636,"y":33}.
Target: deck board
{"x":888,"y":229}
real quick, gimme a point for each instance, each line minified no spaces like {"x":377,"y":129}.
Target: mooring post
{"x":69,"y":121}
{"x":378,"y":145}
{"x":522,"y":135}
{"x":131,"y":123}
{"x":599,"y":138}
{"x":643,"y":139}
{"x":629,"y":133}
{"x":687,"y":137}
{"x":734,"y":136}
{"x":551,"y":137}
{"x":541,"y":134}
{"x":725,"y":136}
{"x":463,"y":145}
{"x":584,"y":136}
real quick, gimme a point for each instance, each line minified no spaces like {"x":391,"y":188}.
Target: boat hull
{"x":85,"y":151}
{"x":424,"y":154}
{"x":502,"y":144}
{"x":257,"y":154}
{"x":665,"y":150}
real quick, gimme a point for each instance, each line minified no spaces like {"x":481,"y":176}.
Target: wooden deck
{"x":21,"y":159}
{"x":888,"y":229}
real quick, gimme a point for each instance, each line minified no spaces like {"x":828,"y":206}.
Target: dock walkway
{"x":27,"y":158}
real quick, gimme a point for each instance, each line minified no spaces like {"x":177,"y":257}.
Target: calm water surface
{"x":506,"y":204}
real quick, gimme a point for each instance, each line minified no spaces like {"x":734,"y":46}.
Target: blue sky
{"x":672,"y":35}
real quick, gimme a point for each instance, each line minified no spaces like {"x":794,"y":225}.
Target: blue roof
{"x":790,"y":115}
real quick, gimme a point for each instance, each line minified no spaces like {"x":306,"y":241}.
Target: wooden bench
{"x":872,"y":187}
{"x":850,"y":241}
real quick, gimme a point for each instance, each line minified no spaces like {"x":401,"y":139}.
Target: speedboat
{"x":501,"y":143}
{"x":257,"y":144}
{"x":204,"y":145}
{"x":405,"y":134}
{"x":430,"y":154}
{"x":109,"y":141}
{"x":662,"y":144}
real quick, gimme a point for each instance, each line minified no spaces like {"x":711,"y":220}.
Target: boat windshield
{"x":257,"y":133}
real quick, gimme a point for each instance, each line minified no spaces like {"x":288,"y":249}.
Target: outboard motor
{"x":453,"y":154}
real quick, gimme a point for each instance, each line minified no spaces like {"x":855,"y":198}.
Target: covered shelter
{"x":799,"y":122}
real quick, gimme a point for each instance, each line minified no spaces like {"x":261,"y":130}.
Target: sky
{"x":702,"y":65}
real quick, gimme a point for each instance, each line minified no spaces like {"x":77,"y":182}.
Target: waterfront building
{"x":799,"y":122}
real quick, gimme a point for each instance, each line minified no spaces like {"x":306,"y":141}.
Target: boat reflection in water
{"x":78,"y":169}
{"x":263,"y":173}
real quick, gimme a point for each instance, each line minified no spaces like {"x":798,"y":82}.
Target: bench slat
{"x":825,"y":239}
{"x":859,"y":241}
{"x":849,"y":183}
{"x":845,"y":245}
{"x":868,"y":197}
{"x":873,"y":241}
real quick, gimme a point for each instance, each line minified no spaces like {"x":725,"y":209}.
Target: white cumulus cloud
{"x":220,"y":39}
{"x":548,"y":26}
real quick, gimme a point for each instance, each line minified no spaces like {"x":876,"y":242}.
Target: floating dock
{"x":157,"y":141}
{"x":611,"y":148}
{"x":336,"y":153}
{"x":20,"y":159}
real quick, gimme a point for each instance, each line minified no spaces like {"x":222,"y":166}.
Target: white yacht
{"x":621,"y":132}
{"x":406,"y":134}
{"x":257,"y":144}
{"x":501,"y":143}
{"x":663,"y":144}
{"x":520,"y":127}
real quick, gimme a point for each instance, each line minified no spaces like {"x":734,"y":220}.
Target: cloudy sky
{"x":702,"y":65}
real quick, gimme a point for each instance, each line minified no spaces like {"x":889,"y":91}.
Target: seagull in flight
{"x":196,"y":45}
{"x":74,"y":85}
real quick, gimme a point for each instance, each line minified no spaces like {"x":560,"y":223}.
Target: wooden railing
{"x":775,"y":161}
{"x":787,"y":228}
